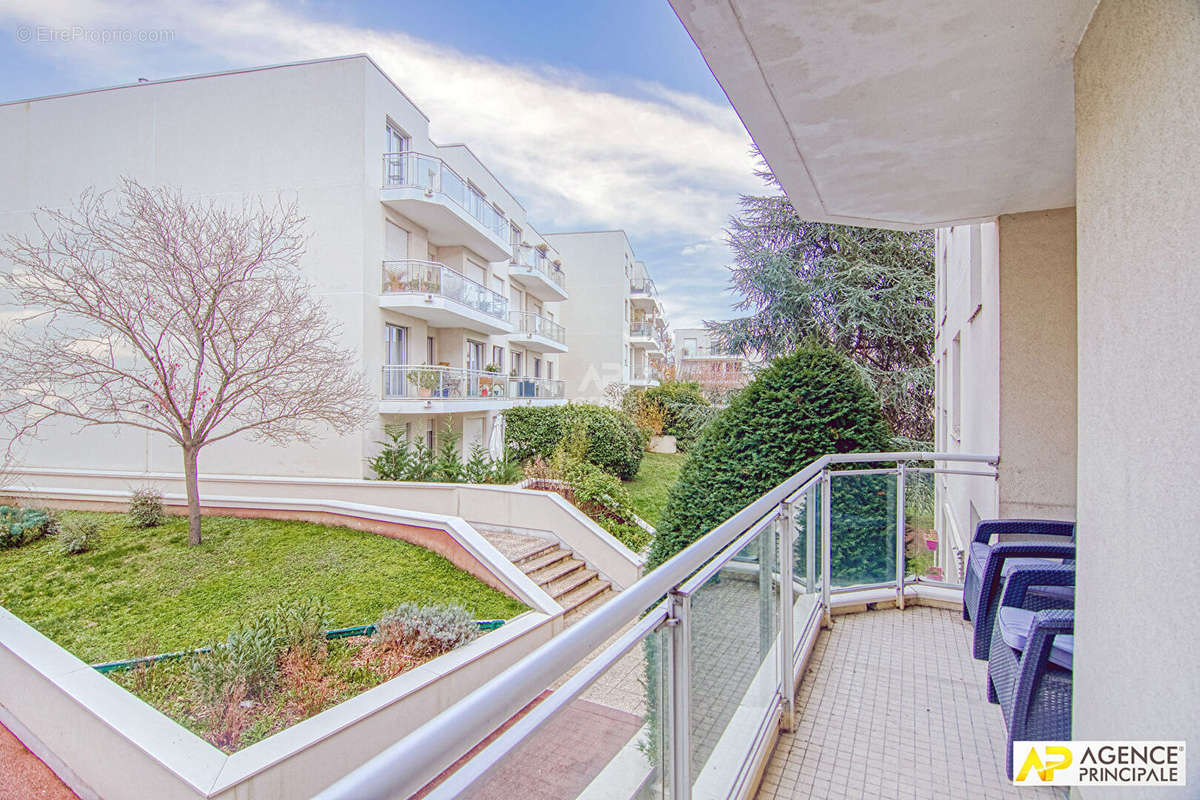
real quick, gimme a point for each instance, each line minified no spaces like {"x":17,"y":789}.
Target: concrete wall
{"x":1037,"y":364}
{"x":1006,"y":304}
{"x":1138,"y":635}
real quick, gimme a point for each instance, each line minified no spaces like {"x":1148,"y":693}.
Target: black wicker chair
{"x":988,"y":564}
{"x":1031,"y":659}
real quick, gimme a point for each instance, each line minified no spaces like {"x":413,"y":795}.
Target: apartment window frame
{"x":498,"y":355}
{"x":516,"y":364}
{"x":537,"y":367}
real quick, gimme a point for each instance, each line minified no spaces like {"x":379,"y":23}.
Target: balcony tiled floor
{"x":893,"y":706}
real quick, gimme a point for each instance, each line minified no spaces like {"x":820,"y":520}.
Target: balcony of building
{"x":431,"y":291}
{"x":452,"y":209}
{"x":644,"y":294}
{"x":537,"y":333}
{"x":806,"y":649}
{"x":541,"y":276}
{"x":425,"y":389}
{"x":647,"y":334}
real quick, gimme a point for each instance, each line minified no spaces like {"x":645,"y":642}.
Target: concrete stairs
{"x":569,"y":580}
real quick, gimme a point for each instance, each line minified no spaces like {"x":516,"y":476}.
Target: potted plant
{"x":426,"y":380}
{"x":486,"y":386}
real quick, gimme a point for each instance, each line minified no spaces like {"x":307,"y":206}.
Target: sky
{"x":596,"y":114}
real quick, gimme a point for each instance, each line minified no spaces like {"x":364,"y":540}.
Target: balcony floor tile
{"x":893,"y":706}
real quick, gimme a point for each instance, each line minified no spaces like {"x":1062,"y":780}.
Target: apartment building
{"x":618,"y":333}
{"x":699,"y":358}
{"x":439,"y":281}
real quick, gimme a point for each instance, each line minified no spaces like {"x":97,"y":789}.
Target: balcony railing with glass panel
{"x":647,"y":329}
{"x":531,"y":324}
{"x":411,"y":276}
{"x":713,"y":665}
{"x":431,"y":174}
{"x":420,"y":382}
{"x":643,"y":287}
{"x":536,"y":260}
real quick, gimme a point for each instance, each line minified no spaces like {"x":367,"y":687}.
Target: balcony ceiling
{"x":907,"y":114}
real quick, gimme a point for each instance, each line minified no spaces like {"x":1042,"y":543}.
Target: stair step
{"x":549,"y":559}
{"x":570,"y":583}
{"x":557,"y":571}
{"x":574,"y":599}
{"x":585,"y":607}
{"x":535,"y":553}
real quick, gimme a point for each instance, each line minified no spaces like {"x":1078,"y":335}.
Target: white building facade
{"x":618,"y":333}
{"x":439,"y":282}
{"x":700,"y":359}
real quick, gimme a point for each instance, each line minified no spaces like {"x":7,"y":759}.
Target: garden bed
{"x":147,"y":584}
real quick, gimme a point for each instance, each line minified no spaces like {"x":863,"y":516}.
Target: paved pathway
{"x":23,"y":775}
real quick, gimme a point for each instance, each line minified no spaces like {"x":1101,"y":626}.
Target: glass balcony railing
{"x":648,"y":329}
{"x":435,"y":176}
{"x":531,"y":324}
{"x":419,"y":381}
{"x":643,"y":287}
{"x":690,"y":684}
{"x":536,"y":260}
{"x":432,"y":277}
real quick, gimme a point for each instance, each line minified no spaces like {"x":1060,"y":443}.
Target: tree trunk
{"x":191,"y":478}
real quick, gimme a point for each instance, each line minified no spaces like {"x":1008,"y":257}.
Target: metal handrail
{"x":536,"y":260}
{"x":532,"y":323}
{"x":424,"y":381}
{"x":409,"y":764}
{"x":411,"y":275}
{"x":432,"y":174}
{"x":643,"y":286}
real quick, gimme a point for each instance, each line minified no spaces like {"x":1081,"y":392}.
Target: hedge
{"x":685,"y":408}
{"x":613,"y":441}
{"x":802,"y":406}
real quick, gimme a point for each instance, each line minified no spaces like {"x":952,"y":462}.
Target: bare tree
{"x":184,"y":318}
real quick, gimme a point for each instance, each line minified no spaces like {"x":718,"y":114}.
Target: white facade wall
{"x":599,"y":312}
{"x":315,"y":132}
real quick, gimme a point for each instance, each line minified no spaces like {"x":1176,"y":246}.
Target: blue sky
{"x":644,"y":138}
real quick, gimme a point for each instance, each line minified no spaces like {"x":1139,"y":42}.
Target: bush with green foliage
{"x":685,"y":409}
{"x":613,"y":441}
{"x":426,"y":630}
{"x":19,"y":526}
{"x":804,"y":405}
{"x":146,"y":509}
{"x":78,"y":535}
{"x":402,"y":460}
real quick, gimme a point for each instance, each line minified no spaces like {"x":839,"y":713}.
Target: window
{"x":474,"y":355}
{"x":397,"y":142}
{"x":430,"y":350}
{"x":476,"y":201}
{"x":516,"y":363}
{"x":956,"y":383}
{"x":395,"y":242}
{"x":550,"y":370}
{"x":537,"y":368}
{"x":689,"y":348}
{"x":395,"y":355}
{"x":498,"y":356}
{"x":976,"y":279}
{"x":514,"y":233}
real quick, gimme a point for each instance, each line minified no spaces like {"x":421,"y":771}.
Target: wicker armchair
{"x":989,"y":564}
{"x":1031,"y":659}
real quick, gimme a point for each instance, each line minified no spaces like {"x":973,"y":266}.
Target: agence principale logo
{"x":1099,"y":764}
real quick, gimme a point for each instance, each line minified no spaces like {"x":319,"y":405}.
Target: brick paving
{"x":893,"y":706}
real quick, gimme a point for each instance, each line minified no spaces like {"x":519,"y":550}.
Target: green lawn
{"x":140,"y":583}
{"x":648,"y":491}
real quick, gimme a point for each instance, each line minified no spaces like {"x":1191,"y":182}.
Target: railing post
{"x":787,"y":646}
{"x":810,"y":540}
{"x":900,"y":523}
{"x":826,"y":548}
{"x":679,"y":734}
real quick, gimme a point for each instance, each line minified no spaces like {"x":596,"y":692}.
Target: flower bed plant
{"x":280,"y":668}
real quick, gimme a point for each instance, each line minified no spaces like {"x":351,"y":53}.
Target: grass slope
{"x":149,"y":582}
{"x":648,"y":491}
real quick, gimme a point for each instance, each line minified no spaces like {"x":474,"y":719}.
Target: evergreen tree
{"x":868,"y":293}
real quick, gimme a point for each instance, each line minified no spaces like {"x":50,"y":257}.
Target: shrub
{"x":804,"y":405}
{"x":19,"y":526}
{"x":77,"y":536}
{"x":685,"y":409}
{"x":402,"y":460}
{"x":298,"y":626}
{"x":146,"y":509}
{"x":612,"y":440}
{"x":425,"y":631}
